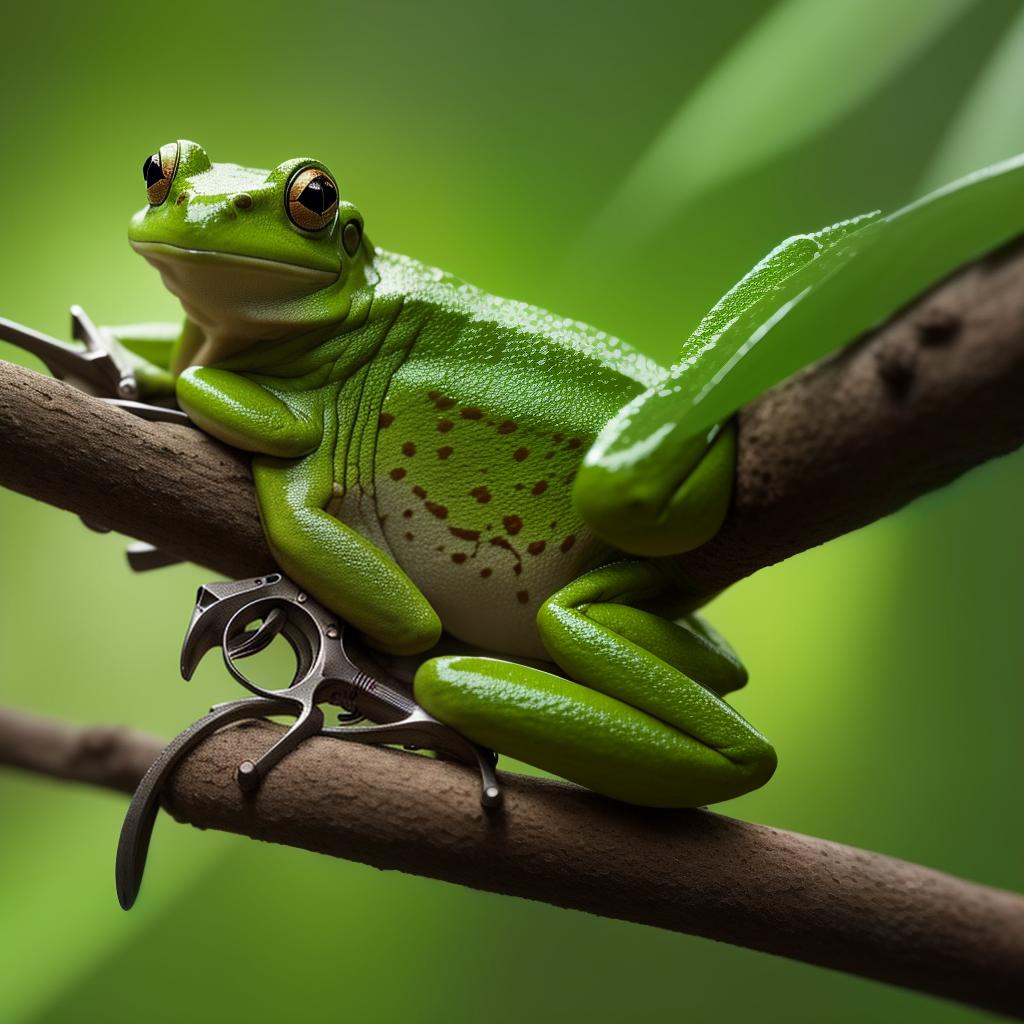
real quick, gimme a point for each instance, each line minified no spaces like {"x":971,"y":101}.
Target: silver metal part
{"x":143,"y":557}
{"x":243,"y":618}
{"x":153,"y":413}
{"x":102,"y":369}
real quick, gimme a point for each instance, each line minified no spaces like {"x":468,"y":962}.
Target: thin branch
{"x":687,"y":871}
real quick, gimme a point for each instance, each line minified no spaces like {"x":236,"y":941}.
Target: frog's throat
{"x":236,"y":299}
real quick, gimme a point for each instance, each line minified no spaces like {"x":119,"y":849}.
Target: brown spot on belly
{"x":444,"y":426}
{"x":458,"y":531}
{"x":408,"y":536}
{"x":459,"y":557}
{"x":419,"y":491}
{"x":407,"y":514}
{"x":397,"y":473}
{"x":486,"y":572}
{"x":506,"y":427}
{"x":471,"y":412}
{"x":513,"y":524}
{"x":568,"y":542}
{"x":535,"y":547}
{"x":574,"y":442}
{"x":384,"y":420}
{"x":520,"y":454}
{"x":408,"y":448}
{"x":437,"y":510}
{"x":540,"y":487}
{"x":443,"y":453}
{"x":522,"y":596}
{"x":501,"y":542}
{"x":482,"y":494}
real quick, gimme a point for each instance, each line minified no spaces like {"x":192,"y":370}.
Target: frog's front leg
{"x":245,"y":414}
{"x":339,"y":567}
{"x":342,"y":569}
{"x":641,"y":718}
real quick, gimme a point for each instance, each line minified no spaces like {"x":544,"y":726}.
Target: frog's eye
{"x":311,"y":199}
{"x":158,"y":171}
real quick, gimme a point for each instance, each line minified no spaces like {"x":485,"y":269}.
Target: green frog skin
{"x":418,"y":456}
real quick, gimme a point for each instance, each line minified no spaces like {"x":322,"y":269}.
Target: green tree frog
{"x":427,"y":456}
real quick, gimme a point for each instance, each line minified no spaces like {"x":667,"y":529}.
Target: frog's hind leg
{"x":640,"y":719}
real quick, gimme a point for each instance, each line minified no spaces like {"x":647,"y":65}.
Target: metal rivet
{"x":332,"y":632}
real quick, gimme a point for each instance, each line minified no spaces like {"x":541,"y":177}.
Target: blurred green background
{"x":622,"y":164}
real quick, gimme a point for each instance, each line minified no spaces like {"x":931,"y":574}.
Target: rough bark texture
{"x":905,"y":410}
{"x":687,"y":871}
{"x":171,"y":486}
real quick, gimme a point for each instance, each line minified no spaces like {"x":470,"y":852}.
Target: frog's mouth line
{"x":158,"y":251}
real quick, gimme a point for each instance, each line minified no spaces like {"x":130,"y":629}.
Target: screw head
{"x":248,"y":780}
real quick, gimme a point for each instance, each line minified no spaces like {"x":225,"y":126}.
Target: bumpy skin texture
{"x":415,"y":445}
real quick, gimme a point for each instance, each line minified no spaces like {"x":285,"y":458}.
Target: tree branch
{"x":905,"y":410}
{"x":686,"y":871}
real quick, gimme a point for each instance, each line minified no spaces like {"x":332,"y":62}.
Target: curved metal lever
{"x":133,"y":843}
{"x":324,"y":674}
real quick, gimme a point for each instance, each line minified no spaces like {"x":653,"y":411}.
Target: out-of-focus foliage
{"x":491,"y":141}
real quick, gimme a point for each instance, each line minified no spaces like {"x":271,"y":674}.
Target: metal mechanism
{"x":243,"y":618}
{"x":102,"y":369}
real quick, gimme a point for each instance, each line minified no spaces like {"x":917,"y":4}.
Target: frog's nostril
{"x":182,"y":196}
{"x":243,"y":201}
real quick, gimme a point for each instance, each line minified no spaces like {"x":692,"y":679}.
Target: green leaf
{"x":857,"y":287}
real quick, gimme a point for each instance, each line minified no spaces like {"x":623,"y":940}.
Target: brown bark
{"x":688,"y":871}
{"x":907,"y":409}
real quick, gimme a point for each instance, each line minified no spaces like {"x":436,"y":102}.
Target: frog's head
{"x":253,"y":255}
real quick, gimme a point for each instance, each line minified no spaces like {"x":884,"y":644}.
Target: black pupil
{"x":153,"y":170}
{"x":319,"y":195}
